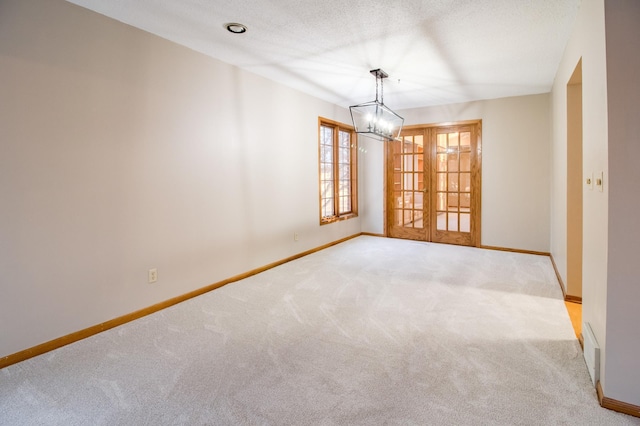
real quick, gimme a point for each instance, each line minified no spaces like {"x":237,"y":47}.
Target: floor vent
{"x":591,"y":352}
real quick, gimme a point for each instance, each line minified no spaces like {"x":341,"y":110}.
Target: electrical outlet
{"x":153,"y":275}
{"x":295,"y":236}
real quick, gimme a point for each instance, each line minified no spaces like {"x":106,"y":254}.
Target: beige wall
{"x":515,"y":168}
{"x":622,"y":18}
{"x":120,"y":152}
{"x":587,"y":42}
{"x":610,"y":229}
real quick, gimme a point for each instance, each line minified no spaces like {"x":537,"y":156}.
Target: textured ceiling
{"x":435,"y":51}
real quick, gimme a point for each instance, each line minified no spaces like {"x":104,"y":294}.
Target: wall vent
{"x":591,"y":352}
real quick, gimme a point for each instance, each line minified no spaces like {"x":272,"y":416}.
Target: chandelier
{"x":375,"y":118}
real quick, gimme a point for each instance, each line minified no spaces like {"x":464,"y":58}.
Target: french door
{"x":433,"y":184}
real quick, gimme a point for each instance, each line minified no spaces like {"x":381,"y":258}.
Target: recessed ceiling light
{"x":235,"y":28}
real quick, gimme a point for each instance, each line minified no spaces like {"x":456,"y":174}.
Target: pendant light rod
{"x":379,"y":75}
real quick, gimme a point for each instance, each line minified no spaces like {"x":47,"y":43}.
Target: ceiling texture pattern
{"x":436,"y":52}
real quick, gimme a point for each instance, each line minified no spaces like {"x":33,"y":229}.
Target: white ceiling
{"x":435,"y":51}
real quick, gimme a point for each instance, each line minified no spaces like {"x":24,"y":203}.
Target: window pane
{"x":326,"y":171}
{"x":344,"y":155}
{"x":326,"y":135}
{"x":408,"y":163}
{"x":442,"y":162}
{"x":453,"y":181}
{"x":345,"y":204}
{"x":327,"y":189}
{"x":441,"y":202}
{"x":345,"y":139}
{"x":419,"y":181}
{"x":408,"y":184}
{"x":452,"y":162}
{"x":327,"y":207}
{"x":453,"y":221}
{"x":408,"y":215}
{"x":453,"y":202}
{"x":465,"y":182}
{"x":418,"y":198}
{"x":465,"y":202}
{"x":345,"y":186}
{"x":465,"y":139}
{"x":465,"y":161}
{"x":441,"y":182}
{"x":465,"y":222}
{"x":453,"y":139}
{"x":407,"y":145}
{"x":419,"y":162}
{"x":417,"y":219}
{"x":345,"y":171}
{"x":408,"y":199}
{"x":326,"y":153}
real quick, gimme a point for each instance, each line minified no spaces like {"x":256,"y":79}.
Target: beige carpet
{"x":372,"y":331}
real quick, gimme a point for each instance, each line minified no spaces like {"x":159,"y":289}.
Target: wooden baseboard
{"x":90,"y":331}
{"x":573,"y":299}
{"x":615,"y":405}
{"x":512,"y":250}
{"x":581,"y":340}
{"x":371,"y":234}
{"x":567,"y":297}
{"x":555,"y":268}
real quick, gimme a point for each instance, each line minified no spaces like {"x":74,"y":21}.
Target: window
{"x":338,"y":171}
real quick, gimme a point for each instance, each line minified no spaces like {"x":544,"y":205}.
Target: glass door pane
{"x":408,"y":216}
{"x":454,"y":184}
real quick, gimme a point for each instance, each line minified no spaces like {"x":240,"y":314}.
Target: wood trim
{"x":567,"y":297}
{"x":371,"y":234}
{"x":335,"y":123}
{"x":442,"y":124}
{"x":562,"y":286}
{"x":90,"y":331}
{"x":581,"y":340}
{"x":615,"y":405}
{"x":337,"y":127}
{"x":573,"y":299}
{"x":539,"y":253}
{"x":477,"y":234}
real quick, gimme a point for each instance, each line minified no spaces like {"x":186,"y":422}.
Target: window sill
{"x":327,"y":221}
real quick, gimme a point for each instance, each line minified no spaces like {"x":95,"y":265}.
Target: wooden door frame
{"x":476,"y":231}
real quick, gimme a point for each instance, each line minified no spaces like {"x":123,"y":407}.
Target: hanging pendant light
{"x":375,"y":118}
